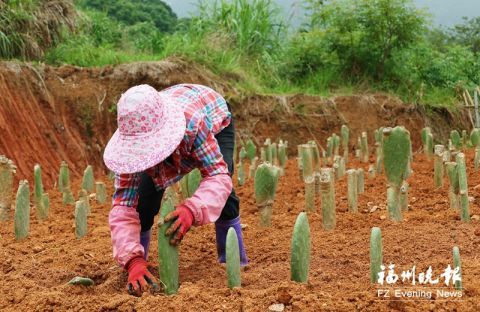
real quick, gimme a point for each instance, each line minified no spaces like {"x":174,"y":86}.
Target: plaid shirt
{"x":206,"y":114}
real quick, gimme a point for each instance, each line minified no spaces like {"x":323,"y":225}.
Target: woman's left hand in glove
{"x":182,"y":219}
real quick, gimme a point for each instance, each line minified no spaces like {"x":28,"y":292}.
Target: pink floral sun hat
{"x":151,"y":125}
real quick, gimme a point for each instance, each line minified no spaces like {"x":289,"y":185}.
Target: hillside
{"x":49,"y":114}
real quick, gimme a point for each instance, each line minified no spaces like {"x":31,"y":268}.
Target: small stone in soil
{"x":374,"y":208}
{"x":383,"y":217}
{"x":476,"y":217}
{"x":37,"y":249}
{"x":276,"y":307}
{"x":477,"y":232}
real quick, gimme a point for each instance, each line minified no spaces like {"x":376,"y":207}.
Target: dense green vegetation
{"x":29,"y":27}
{"x":346,"y":46}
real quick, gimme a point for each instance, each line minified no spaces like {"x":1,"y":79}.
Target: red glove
{"x":138,"y":276}
{"x":184,"y":220}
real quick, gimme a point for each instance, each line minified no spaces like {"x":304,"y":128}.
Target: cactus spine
{"x":81,"y":212}
{"x":88,"y":182}
{"x":364,"y":147}
{"x":376,"y":253}
{"x":463,"y":187}
{"x":438,"y":166}
{"x":396,"y":152}
{"x":167,"y":254}
{"x":266,"y":179}
{"x":233,"y":259}
{"x":345,"y":133}
{"x":41,"y":213}
{"x":352,"y":186}
{"x":22,"y":211}
{"x":100,"y":192}
{"x":300,"y":252}
{"x":457,"y":263}
{"x":7,"y":169}
{"x":327,"y":190}
{"x":360,"y":181}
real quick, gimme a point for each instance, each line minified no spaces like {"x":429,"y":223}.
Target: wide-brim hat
{"x":151,"y":125}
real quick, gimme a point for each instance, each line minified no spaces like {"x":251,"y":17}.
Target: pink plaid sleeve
{"x":207,"y":202}
{"x":207,"y":153}
{"x":126,"y":186}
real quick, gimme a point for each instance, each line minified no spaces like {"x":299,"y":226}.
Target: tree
{"x":131,"y":12}
{"x":467,"y":34}
{"x":365,"y":34}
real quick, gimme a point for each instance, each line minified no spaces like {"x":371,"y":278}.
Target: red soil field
{"x":34,"y":272}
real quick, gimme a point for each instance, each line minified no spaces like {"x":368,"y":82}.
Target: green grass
{"x":244,"y":42}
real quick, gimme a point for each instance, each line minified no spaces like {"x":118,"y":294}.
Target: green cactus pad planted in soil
{"x":300,"y":252}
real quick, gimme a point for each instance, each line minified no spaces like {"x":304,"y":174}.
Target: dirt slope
{"x":52,"y":114}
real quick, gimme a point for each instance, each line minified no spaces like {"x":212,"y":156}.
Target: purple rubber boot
{"x":221,"y":230}
{"x":145,"y":242}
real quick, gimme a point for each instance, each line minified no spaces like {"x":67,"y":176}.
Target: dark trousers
{"x":149,"y":198}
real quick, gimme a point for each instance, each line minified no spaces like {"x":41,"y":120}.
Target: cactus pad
{"x":300,"y":252}
{"x":22,"y":211}
{"x":167,"y":254}
{"x":396,"y":154}
{"x":251,"y":149}
{"x":376,"y":253}
{"x":88,"y":182}
{"x":81,"y":212}
{"x":100,"y":192}
{"x":457,"y":263}
{"x":456,"y":139}
{"x":233,"y":259}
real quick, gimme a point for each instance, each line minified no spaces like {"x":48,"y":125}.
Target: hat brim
{"x":124,"y":155}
